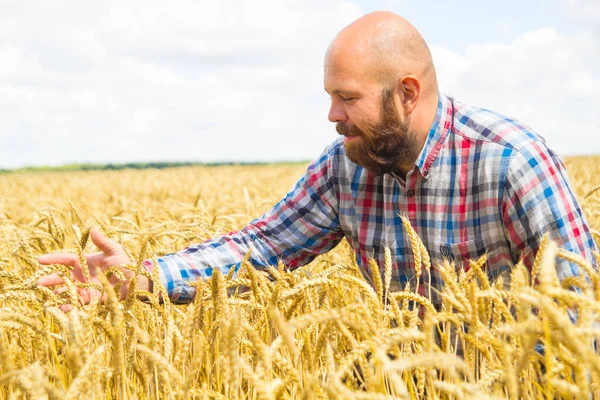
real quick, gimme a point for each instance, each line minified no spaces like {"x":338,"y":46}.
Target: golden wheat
{"x":321,"y":331}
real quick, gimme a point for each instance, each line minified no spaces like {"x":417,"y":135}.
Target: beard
{"x":383,"y":146}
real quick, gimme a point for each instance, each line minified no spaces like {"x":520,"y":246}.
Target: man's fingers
{"x":59,"y":258}
{"x":60,"y":290}
{"x":50,"y":280}
{"x":88,"y":296}
{"x":105,"y":244}
{"x":66,"y":308}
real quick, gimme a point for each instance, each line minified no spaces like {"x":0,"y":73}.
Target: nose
{"x":336,"y":113}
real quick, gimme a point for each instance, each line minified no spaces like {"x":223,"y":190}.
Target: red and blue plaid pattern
{"x":482,"y":183}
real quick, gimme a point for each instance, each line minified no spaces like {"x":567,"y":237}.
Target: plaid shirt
{"x":482,"y":183}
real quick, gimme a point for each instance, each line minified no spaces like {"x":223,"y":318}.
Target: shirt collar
{"x":437,"y":134}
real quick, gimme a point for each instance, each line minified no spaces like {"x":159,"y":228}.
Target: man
{"x":469,"y":180}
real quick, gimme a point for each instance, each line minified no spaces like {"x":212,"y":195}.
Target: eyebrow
{"x":340,"y":91}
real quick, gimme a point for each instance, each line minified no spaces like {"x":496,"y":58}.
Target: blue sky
{"x":197,"y":80}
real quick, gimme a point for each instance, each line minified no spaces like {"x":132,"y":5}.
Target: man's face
{"x":377,"y":134}
{"x":382,"y":145}
{"x":379,"y":143}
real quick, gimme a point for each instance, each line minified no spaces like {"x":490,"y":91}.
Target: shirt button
{"x":410,"y":193}
{"x":444,"y":250}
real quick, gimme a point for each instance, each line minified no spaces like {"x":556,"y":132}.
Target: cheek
{"x":357,"y":116}
{"x":359,"y":123}
{"x":364,"y":118}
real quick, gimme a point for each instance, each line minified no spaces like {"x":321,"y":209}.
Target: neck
{"x":425,"y":118}
{"x":420,"y":124}
{"x":401,"y":172}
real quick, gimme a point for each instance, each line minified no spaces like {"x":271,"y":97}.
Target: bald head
{"x":384,"y":47}
{"x":384,"y":93}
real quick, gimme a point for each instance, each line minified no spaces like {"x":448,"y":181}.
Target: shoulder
{"x":501,"y":134}
{"x":342,"y":165}
{"x":490,"y":127}
{"x":336,"y":148}
{"x":328,"y":157}
{"x":340,"y":169}
{"x":335,"y":156}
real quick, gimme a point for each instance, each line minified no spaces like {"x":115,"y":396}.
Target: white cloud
{"x":586,"y":10}
{"x":147,"y":80}
{"x":546,"y":79}
{"x":234,"y":80}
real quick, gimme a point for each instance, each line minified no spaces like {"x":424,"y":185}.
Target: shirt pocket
{"x":462,"y":252}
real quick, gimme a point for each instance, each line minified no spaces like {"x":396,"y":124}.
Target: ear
{"x":409,"y":90}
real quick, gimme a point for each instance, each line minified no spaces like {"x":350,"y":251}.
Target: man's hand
{"x":111,"y":254}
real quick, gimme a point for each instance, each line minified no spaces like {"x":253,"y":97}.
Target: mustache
{"x":346,"y":130}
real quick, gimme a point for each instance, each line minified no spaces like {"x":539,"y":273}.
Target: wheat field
{"x":318,"y":332}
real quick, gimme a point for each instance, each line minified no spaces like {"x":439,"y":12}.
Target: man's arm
{"x":538,"y":200}
{"x":299,"y":227}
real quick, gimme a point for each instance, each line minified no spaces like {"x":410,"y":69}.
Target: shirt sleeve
{"x":302,"y":225}
{"x":537,"y":200}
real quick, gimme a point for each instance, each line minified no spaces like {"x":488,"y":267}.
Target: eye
{"x":347,"y":99}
